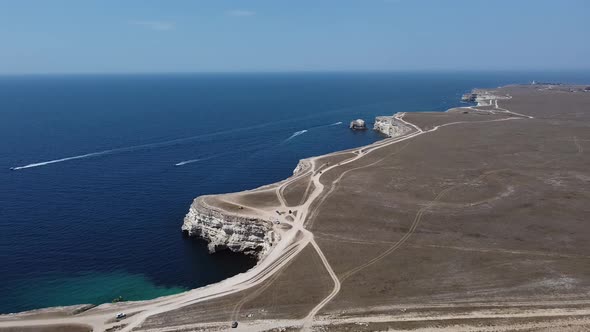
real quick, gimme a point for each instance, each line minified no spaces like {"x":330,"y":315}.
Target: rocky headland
{"x":471,"y":219}
{"x":223,"y":230}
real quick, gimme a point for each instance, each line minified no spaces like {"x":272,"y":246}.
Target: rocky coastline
{"x":223,"y":230}
{"x":390,"y":126}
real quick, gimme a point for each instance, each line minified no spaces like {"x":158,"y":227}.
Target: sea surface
{"x":107,"y":166}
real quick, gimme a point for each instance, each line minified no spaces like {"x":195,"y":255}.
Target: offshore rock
{"x":358,"y":124}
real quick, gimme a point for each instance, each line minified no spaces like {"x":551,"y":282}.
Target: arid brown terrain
{"x":477,"y":220}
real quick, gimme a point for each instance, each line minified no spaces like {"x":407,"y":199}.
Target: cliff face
{"x":225,"y":231}
{"x":390,"y":126}
{"x":302,"y":166}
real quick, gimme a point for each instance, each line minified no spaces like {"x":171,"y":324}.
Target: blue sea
{"x":114,"y":162}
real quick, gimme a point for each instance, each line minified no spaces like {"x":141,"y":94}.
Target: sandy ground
{"x":473,"y":221}
{"x":49,"y":328}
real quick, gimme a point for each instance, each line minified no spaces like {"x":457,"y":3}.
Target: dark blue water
{"x":90,"y":229}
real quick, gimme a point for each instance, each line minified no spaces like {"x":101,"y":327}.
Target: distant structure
{"x":358,"y":124}
{"x":545,"y":83}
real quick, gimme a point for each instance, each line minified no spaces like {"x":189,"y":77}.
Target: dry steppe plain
{"x":478,"y":220}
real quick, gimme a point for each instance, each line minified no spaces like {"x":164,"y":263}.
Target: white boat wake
{"x":301,"y":132}
{"x":185,"y":162}
{"x":295,"y":134}
{"x":135,"y":147}
{"x":156,"y":145}
{"x":188,"y":162}
{"x":254,"y":148}
{"x":43,"y":163}
{"x":328,"y":125}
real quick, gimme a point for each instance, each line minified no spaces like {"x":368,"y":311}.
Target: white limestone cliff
{"x":302,"y":166}
{"x":390,"y":126}
{"x":253,"y":236}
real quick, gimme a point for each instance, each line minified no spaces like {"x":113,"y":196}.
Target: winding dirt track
{"x":292,"y":243}
{"x":308,"y":321}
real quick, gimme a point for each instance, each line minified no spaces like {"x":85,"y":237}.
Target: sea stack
{"x":358,"y":124}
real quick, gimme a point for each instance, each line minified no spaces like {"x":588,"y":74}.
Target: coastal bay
{"x":106,"y":167}
{"x":346,"y":244}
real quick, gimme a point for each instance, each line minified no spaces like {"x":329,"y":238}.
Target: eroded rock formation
{"x":390,"y":126}
{"x":223,"y":230}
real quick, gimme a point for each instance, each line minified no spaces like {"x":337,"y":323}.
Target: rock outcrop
{"x":302,"y":166}
{"x":469,"y":97}
{"x":253,"y":236}
{"x":390,"y":126}
{"x":358,"y":124}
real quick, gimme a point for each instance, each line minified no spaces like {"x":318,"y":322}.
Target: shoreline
{"x":297,"y":173}
{"x":292,"y":241}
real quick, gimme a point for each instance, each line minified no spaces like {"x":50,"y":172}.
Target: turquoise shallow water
{"x":55,"y":290}
{"x":107,"y":222}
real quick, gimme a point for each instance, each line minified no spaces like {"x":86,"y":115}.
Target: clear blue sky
{"x":112,"y":36}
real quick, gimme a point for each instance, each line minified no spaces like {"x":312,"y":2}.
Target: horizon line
{"x":351,"y":71}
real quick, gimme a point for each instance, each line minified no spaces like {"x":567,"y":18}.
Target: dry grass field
{"x":477,"y":221}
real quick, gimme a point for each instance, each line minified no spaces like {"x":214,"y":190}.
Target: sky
{"x":143,"y":36}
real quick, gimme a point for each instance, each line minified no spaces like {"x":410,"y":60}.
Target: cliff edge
{"x":224,"y":230}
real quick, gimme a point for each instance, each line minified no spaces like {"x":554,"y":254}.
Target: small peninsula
{"x":458,"y":220}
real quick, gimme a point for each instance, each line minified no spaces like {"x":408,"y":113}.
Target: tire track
{"x":578,"y":145}
{"x":413,"y":227}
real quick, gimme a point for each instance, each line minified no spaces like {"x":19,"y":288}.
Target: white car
{"x":121,"y":315}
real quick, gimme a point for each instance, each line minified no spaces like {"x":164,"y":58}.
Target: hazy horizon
{"x":581,"y":71}
{"x":152,"y":37}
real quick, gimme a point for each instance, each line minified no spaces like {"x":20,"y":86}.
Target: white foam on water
{"x":295,"y":134}
{"x":187,"y":162}
{"x":327,"y":125}
{"x":254,"y":148}
{"x":139,"y":147}
{"x":159,"y":144}
{"x":43,"y":163}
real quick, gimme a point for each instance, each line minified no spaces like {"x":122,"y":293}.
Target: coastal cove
{"x":103,"y":220}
